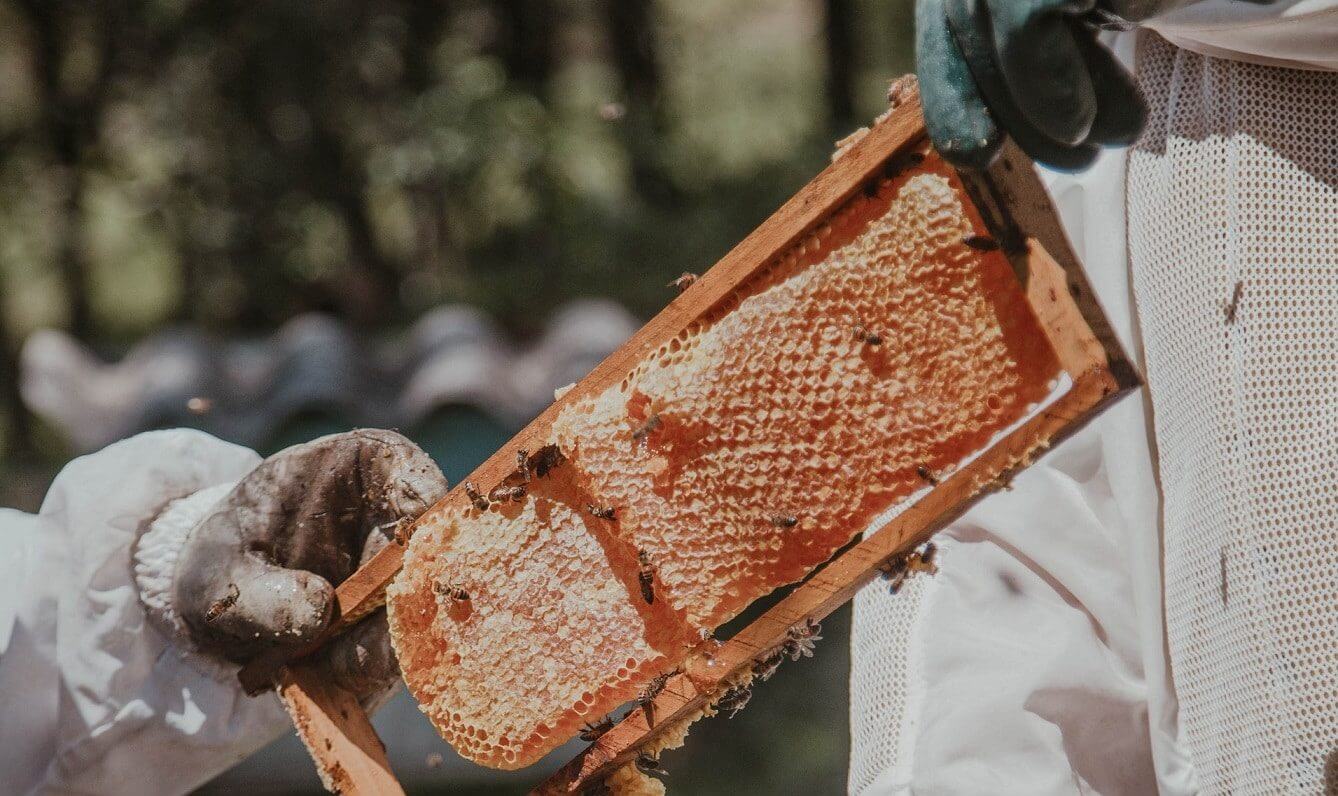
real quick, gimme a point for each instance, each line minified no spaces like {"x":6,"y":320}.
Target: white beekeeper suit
{"x":1050,"y":655}
{"x":156,"y":564}
{"x":96,"y":700}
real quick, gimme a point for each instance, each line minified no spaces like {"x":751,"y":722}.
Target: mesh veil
{"x":1233,"y":240}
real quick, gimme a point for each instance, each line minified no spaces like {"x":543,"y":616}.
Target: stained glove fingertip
{"x":968,"y":153}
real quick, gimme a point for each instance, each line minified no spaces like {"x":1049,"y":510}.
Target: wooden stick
{"x":349,"y":756}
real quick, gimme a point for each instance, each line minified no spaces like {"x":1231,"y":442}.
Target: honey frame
{"x":1010,"y":203}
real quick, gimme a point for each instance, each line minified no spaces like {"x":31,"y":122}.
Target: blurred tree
{"x":16,"y":439}
{"x":73,"y":70}
{"x":842,"y":56}
{"x":232,"y":164}
{"x":526,"y":41}
{"x":634,"y":44}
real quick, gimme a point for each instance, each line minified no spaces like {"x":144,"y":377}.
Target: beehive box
{"x":881,"y":352}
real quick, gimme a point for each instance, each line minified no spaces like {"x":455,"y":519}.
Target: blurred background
{"x":277,"y":220}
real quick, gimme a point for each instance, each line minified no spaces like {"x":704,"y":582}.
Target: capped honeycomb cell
{"x":862,"y":365}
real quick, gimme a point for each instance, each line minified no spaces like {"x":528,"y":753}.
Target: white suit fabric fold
{"x":97,"y":700}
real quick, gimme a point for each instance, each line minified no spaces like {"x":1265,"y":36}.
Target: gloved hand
{"x":1030,"y":68}
{"x":256,"y":573}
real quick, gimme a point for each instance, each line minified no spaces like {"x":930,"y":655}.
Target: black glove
{"x":256,"y":573}
{"x":1032,"y":69}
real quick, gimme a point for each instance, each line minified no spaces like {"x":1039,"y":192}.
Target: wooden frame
{"x":1011,"y":203}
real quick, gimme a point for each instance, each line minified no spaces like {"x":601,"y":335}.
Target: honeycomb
{"x":859,"y":367}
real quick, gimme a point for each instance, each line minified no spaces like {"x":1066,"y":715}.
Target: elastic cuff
{"x":155,"y":559}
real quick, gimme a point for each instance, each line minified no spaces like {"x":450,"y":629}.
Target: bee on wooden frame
{"x":646,"y":699}
{"x":545,"y":459}
{"x":523,"y":466}
{"x":649,"y":765}
{"x":927,"y":475}
{"x":981,"y":243}
{"x":734,"y":700}
{"x":592,"y":730}
{"x":764,"y":668}
{"x":475,"y":497}
{"x":801,"y":640}
{"x":684,"y":282}
{"x":504,"y":492}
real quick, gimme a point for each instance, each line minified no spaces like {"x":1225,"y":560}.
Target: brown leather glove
{"x":256,"y":573}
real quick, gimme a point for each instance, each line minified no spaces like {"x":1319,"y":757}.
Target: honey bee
{"x":1234,"y":304}
{"x":684,"y":282}
{"x":592,"y":730}
{"x":734,"y":700}
{"x":765,"y":667}
{"x":649,"y":765}
{"x":801,"y":640}
{"x":863,"y":335}
{"x":652,"y":423}
{"x":784,"y":520}
{"x":451,"y":590}
{"x":472,"y":492}
{"x":983,"y":243}
{"x":898,"y":570}
{"x":545,"y":459}
{"x":523,"y":466}
{"x":504,"y":492}
{"x":901,"y":162}
{"x":228,"y":600}
{"x":927,"y":475}
{"x":602,"y":512}
{"x":924,"y":560}
{"x":398,"y":530}
{"x":646,"y":699}
{"x":894,"y":572}
{"x":646,"y":577}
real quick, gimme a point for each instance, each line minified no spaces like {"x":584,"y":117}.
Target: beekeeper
{"x":1154,"y":607}
{"x":158,"y":564}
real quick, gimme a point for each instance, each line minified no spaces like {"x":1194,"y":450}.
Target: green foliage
{"x":237,"y":163}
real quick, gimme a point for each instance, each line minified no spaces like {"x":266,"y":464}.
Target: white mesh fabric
{"x":1235,"y":182}
{"x":885,"y":682}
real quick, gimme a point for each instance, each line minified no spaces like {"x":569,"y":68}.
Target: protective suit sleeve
{"x":98,"y":698}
